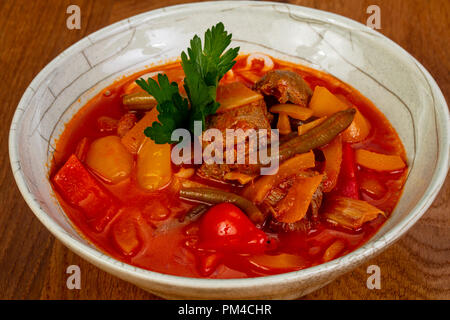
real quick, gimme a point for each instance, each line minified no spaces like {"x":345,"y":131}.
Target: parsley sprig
{"x":203,"y":68}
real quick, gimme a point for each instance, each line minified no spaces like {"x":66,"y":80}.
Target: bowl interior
{"x":398,"y":85}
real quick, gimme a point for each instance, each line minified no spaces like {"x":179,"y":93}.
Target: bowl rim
{"x":354,"y":258}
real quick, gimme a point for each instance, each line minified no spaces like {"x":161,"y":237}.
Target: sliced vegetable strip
{"x":283,"y":125}
{"x":379,"y":162}
{"x":292,"y":110}
{"x":350,"y":213}
{"x":304,"y":128}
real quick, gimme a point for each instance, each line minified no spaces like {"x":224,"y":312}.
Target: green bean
{"x":314,"y":138}
{"x":139,"y":101}
{"x":215,"y":196}
{"x":196,"y":212}
{"x":318,"y":136}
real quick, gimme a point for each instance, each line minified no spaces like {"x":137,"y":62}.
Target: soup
{"x":340,"y":169}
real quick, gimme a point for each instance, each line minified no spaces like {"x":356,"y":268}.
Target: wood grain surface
{"x":33,"y":263}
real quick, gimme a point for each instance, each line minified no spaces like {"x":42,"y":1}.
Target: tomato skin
{"x":225,"y":228}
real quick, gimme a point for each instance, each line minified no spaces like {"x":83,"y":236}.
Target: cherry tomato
{"x":226,"y":228}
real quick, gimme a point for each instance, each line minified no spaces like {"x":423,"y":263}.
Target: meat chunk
{"x":307,"y":223}
{"x":126,"y":122}
{"x":250,"y":116}
{"x":285,"y":86}
{"x":213,"y":171}
{"x":279,"y":192}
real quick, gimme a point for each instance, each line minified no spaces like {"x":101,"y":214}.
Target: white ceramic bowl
{"x":399,"y":85}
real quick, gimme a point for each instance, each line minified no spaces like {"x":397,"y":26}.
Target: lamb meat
{"x":250,"y":116}
{"x":279,"y":192}
{"x":285,"y":86}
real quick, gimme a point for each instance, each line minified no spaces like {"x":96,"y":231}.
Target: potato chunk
{"x":109,"y":159}
{"x":154,"y":167}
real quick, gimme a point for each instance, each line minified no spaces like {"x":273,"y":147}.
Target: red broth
{"x":166,"y":243}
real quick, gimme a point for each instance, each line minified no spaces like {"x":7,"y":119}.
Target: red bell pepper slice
{"x":348,"y":184}
{"x":80,"y":189}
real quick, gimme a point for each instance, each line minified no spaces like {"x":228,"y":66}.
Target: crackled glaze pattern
{"x":400,"y":87}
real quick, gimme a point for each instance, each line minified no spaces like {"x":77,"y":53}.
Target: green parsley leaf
{"x":172,"y":107}
{"x":203,"y":69}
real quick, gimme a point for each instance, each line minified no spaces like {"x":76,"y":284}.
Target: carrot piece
{"x":292,"y":110}
{"x":79,"y":188}
{"x":134,"y":138}
{"x":308,"y":126}
{"x":154,"y":166}
{"x":294,"y":205}
{"x":257,"y":191}
{"x":377,"y":161}
{"x":324,"y":103}
{"x":358,"y":130}
{"x":108,"y":158}
{"x":350,"y":213}
{"x":333,"y":250}
{"x":235,"y":94}
{"x":250,"y":76}
{"x":284,"y":125}
{"x":333,"y":160}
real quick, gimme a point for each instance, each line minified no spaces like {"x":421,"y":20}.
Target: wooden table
{"x":33,"y":263}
